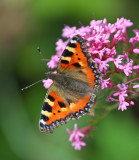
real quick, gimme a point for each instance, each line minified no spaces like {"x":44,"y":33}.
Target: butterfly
{"x":72,"y":93}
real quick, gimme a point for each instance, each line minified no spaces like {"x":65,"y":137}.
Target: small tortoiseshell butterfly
{"x":72,"y":93}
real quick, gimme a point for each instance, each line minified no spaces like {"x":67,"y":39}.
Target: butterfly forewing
{"x":75,"y":55}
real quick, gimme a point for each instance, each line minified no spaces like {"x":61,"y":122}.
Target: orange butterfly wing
{"x":54,"y":112}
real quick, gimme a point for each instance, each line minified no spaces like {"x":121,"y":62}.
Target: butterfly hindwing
{"x":82,"y":106}
{"x":54,"y":112}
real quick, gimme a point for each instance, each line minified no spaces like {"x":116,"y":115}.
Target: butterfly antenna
{"x":93,"y":16}
{"x":31,"y":85}
{"x":42,"y":58}
{"x":80,"y":23}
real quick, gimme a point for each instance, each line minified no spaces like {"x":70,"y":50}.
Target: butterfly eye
{"x":48,"y":74}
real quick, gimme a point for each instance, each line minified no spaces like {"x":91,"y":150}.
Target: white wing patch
{"x":73,"y":41}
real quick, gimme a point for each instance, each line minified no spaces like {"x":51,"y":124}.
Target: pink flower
{"x":136,"y":67}
{"x":77,"y":135}
{"x":133,"y":40}
{"x":109,"y":99}
{"x":137,"y":34}
{"x":110,"y":52}
{"x":47,"y":83}
{"x":105,"y":83}
{"x":53,"y":62}
{"x":94,"y":23}
{"x":118,"y":36}
{"x":60,"y":45}
{"x":103,"y":64}
{"x":110,"y":28}
{"x":99,"y":52}
{"x":136,"y":86}
{"x":136,"y":50}
{"x":122,"y":87}
{"x":121,"y":94}
{"x":132,"y":103}
{"x":69,"y":32}
{"x":83,"y":31}
{"x":127,"y":68}
{"x":78,"y":144}
{"x":118,"y":60}
{"x":104,"y":22}
{"x":123,"y":105}
{"x":122,"y":24}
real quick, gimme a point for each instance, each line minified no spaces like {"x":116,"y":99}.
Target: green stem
{"x":99,"y":116}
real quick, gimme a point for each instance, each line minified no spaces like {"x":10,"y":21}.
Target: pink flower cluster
{"x":78,"y":135}
{"x":123,"y":96}
{"x":112,"y":50}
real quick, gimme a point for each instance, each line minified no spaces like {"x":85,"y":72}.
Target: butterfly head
{"x":50,"y":75}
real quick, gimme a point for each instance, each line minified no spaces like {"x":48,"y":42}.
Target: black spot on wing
{"x":62,"y":105}
{"x":45,"y":118}
{"x":72,"y":45}
{"x":74,"y":38}
{"x":64,"y":61}
{"x":46,"y":107}
{"x":67,"y":53}
{"x":76,"y":65}
{"x":51,"y":98}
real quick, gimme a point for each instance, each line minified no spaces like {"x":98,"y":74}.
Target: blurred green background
{"x":25,"y":25}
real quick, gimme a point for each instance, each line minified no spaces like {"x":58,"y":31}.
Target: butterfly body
{"x":72,"y":93}
{"x":71,"y":83}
